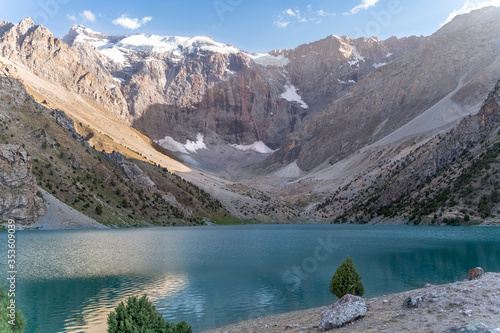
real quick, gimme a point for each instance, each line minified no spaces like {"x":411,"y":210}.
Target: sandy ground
{"x":61,"y":216}
{"x":444,"y":306}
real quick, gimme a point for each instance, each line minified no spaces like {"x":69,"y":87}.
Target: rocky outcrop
{"x":18,"y":190}
{"x":457,"y":68}
{"x":346,"y":310}
{"x":35,"y":48}
{"x":129,"y":170}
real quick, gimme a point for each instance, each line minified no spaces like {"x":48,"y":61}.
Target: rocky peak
{"x":24,"y":26}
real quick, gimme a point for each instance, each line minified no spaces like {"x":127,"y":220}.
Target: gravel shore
{"x":444,"y":306}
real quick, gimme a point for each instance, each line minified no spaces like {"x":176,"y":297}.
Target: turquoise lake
{"x":68,"y":281}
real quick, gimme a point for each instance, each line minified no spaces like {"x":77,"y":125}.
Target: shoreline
{"x":445,"y":306}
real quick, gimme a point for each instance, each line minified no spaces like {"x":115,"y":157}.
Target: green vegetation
{"x":81,"y":177}
{"x":346,"y":280}
{"x":19,"y":321}
{"x":141,"y":316}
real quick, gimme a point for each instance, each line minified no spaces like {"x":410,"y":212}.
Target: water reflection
{"x":70,"y":280}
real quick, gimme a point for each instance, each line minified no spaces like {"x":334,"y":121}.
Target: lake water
{"x":68,"y":281}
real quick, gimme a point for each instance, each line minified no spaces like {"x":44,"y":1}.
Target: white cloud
{"x":88,"y":16}
{"x":280,"y":23}
{"x":71,"y":17}
{"x":471,"y":5}
{"x":130,"y":23}
{"x":365,"y":4}
{"x":307,"y":15}
{"x":321,"y":12}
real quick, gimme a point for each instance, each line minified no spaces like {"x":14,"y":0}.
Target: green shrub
{"x":141,"y":316}
{"x":98,"y":209}
{"x":346,"y":280}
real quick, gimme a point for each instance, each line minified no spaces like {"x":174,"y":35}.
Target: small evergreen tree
{"x":141,"y":316}
{"x":5,"y":326}
{"x":346,"y":280}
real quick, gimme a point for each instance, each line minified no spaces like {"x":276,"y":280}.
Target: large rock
{"x":18,"y":190}
{"x":475,"y":273}
{"x":346,"y":310}
{"x":472,"y":327}
{"x":129,"y":169}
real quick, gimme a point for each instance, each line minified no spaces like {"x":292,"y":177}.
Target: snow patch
{"x":118,"y":79}
{"x":258,"y":146}
{"x":291,"y":95}
{"x":266,"y":59}
{"x":186,"y":148}
{"x":114,"y":54}
{"x":379,"y":65}
{"x":388,"y":55}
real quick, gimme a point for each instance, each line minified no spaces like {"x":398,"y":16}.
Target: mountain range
{"x":304,"y":133}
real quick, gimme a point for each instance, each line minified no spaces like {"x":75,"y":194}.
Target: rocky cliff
{"x":177,"y":88}
{"x":452,"y":174}
{"x":18,"y":189}
{"x":447,"y":77}
{"x":35,"y":48}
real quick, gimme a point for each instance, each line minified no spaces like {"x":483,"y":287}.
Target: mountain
{"x":305,"y":133}
{"x":445,"y":79}
{"x":452,"y":178}
{"x":182,"y":90}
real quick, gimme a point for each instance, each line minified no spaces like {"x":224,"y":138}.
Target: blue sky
{"x":251,"y":25}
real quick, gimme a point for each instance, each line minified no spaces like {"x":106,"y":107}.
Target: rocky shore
{"x":435,"y":309}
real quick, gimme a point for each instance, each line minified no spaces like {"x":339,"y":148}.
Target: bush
{"x":141,"y":316}
{"x":5,"y":326}
{"x":98,"y":210}
{"x":346,"y":280}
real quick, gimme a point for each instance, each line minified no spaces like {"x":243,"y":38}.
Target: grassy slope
{"x":80,"y":176}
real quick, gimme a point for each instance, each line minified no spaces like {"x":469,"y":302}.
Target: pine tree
{"x":346,"y":280}
{"x":5,"y":326}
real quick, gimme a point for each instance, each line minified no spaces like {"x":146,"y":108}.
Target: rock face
{"x":346,"y":310}
{"x":475,"y":273}
{"x":35,"y":48}
{"x":454,"y":70}
{"x":18,"y":190}
{"x":129,"y":169}
{"x":179,"y":87}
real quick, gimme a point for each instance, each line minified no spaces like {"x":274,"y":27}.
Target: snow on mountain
{"x":258,"y":146}
{"x":116,"y":48}
{"x":186,"y":148}
{"x":291,"y":95}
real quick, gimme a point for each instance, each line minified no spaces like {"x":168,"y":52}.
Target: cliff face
{"x":452,"y":72}
{"x":35,"y":48}
{"x":181,"y":87}
{"x":18,"y":190}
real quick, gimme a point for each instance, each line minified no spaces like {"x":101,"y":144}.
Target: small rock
{"x":475,"y":273}
{"x":428,"y":285}
{"x":472,"y":327}
{"x":346,"y":310}
{"x":386,"y":301}
{"x":413,"y":301}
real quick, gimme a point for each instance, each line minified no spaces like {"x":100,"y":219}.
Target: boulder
{"x":475,"y":273}
{"x":346,"y":310}
{"x":472,"y":327}
{"x":413,"y":301}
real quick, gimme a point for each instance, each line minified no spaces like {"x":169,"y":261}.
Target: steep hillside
{"x":430,"y":89}
{"x":182,"y":90}
{"x":105,"y":186}
{"x":451,"y":179}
